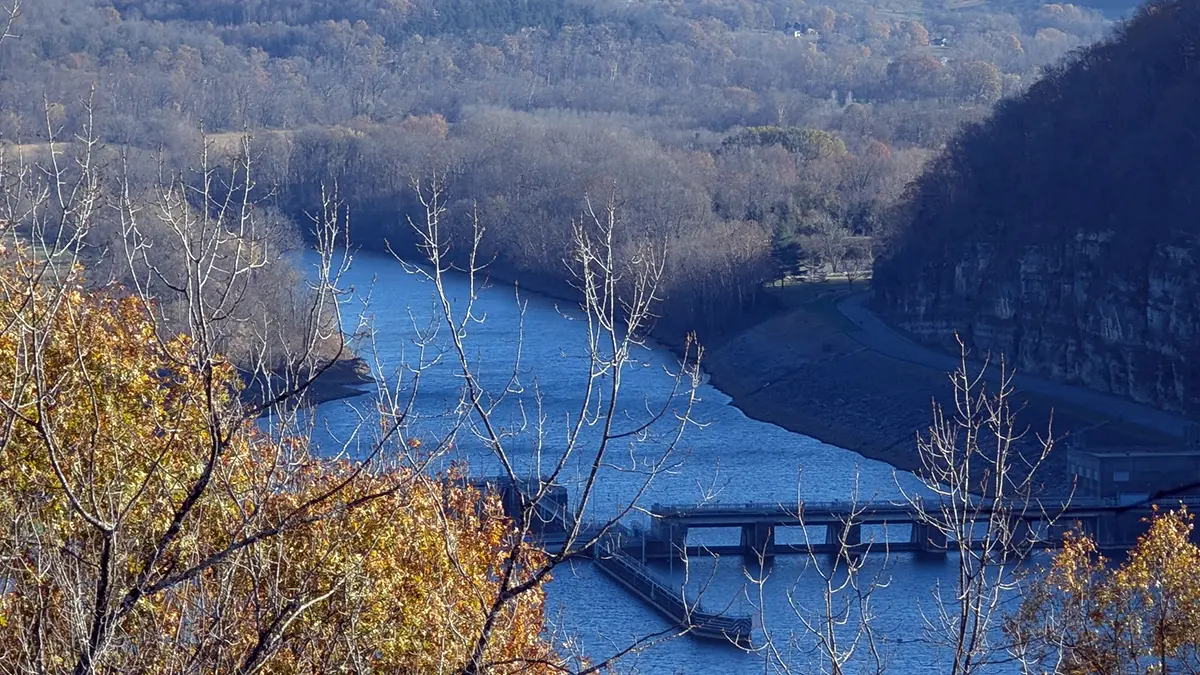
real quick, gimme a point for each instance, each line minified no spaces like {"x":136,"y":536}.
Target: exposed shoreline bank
{"x":811,"y":369}
{"x":345,"y":378}
{"x":797,"y":370}
{"x":797,"y":361}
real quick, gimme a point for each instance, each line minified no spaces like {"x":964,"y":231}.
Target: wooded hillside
{"x":1062,"y":231}
{"x":528,"y":107}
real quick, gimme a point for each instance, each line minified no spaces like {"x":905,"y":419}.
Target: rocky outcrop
{"x":1080,"y":311}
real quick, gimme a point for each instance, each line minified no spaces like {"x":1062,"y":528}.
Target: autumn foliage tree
{"x":1142,"y":616}
{"x":149,"y":523}
{"x":137,"y":536}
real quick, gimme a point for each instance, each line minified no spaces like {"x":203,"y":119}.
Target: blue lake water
{"x":533,"y":350}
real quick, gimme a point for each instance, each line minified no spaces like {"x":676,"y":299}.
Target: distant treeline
{"x":741,"y":147}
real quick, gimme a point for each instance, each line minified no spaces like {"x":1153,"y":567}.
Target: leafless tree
{"x":837,"y":634}
{"x":617,"y":297}
{"x":194,"y":245}
{"x":201,"y":247}
{"x":981,"y":500}
{"x":108,"y":575}
{"x":829,"y":242}
{"x":859,"y":259}
{"x":8,"y":18}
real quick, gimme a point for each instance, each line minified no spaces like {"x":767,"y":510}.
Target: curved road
{"x":877,"y":336}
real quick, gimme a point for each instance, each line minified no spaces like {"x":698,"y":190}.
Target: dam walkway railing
{"x":621,"y":553}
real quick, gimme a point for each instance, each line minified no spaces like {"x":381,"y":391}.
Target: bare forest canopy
{"x":1062,"y":230}
{"x":746,"y":139}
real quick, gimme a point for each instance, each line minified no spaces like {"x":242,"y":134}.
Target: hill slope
{"x":1063,"y":230}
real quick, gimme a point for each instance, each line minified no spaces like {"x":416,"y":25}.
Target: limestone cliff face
{"x":1081,"y":311}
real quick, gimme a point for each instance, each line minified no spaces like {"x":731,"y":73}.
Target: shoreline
{"x":774,"y":369}
{"x":897,"y":453}
{"x":812,"y":369}
{"x":319,"y":393}
{"x":344,"y":379}
{"x":767,"y":395}
{"x":797,"y":361}
{"x":729,"y":376}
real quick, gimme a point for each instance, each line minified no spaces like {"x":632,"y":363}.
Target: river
{"x":724,"y":456}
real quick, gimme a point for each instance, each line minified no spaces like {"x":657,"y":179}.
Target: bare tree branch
{"x":617,"y":299}
{"x":981,"y":500}
{"x":8,"y":19}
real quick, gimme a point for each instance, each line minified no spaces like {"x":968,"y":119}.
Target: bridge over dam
{"x":897,"y":527}
{"x":621,"y":553}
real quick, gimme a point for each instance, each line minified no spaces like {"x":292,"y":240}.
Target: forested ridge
{"x":1062,"y":230}
{"x":528,"y":107}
